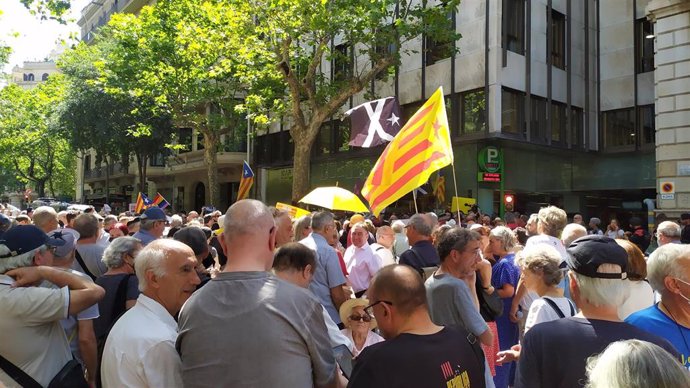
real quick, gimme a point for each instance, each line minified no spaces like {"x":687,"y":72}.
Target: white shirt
{"x":140,"y":350}
{"x":641,"y":296}
{"x":384,"y":254}
{"x":372,"y":338}
{"x":362,"y":264}
{"x":540,"y":311}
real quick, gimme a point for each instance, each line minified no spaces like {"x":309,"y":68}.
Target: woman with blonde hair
{"x":635,"y":364}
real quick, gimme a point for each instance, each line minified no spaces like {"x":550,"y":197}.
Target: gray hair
{"x":320,"y":220}
{"x":505,"y":236}
{"x":152,"y":257}
{"x":542,"y":259}
{"x":572,"y":232}
{"x":383,"y":230}
{"x":398,"y":226}
{"x":603,"y":292}
{"x":148,"y":224}
{"x":19,"y":261}
{"x":663,"y":262}
{"x":433,"y":218}
{"x":635,"y":364}
{"x":667,"y":228}
{"x":117,"y":249}
{"x":420,"y":224}
{"x":175,"y":220}
{"x":552,"y":220}
{"x":44,"y":214}
{"x":300,"y":224}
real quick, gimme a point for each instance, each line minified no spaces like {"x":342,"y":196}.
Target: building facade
{"x":32,"y":73}
{"x":564,"y":89}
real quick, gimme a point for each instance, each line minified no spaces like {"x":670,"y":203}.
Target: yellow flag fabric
{"x":421,"y":147}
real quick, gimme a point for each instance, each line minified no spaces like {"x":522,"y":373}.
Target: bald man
{"x":416,"y":353}
{"x":249,"y":328}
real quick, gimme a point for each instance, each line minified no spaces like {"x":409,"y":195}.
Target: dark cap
{"x":154,"y":213}
{"x":194,"y":238}
{"x":587,"y":253}
{"x":685,"y":216}
{"x":26,"y":238}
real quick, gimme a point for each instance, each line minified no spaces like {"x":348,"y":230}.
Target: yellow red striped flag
{"x":245,"y":182}
{"x":421,"y":147}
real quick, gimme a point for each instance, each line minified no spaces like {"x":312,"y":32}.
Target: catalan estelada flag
{"x":440,"y":188}
{"x":160,"y":201}
{"x":421,"y":147}
{"x":143,"y":203}
{"x":245,"y":182}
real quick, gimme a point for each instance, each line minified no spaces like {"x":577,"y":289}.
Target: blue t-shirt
{"x":654,"y":321}
{"x":327,"y":273}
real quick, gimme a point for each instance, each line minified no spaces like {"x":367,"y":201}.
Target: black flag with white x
{"x":374,"y":122}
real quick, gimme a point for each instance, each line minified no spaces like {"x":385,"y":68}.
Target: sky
{"x":35,"y":38}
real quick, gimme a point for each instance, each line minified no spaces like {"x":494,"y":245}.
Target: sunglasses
{"x":358,"y":318}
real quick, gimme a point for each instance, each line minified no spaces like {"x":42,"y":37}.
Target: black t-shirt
{"x":554,"y":354}
{"x":685,"y":235}
{"x":444,"y":359}
{"x":107,"y":308}
{"x":426,"y":255}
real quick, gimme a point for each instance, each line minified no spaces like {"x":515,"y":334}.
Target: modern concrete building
{"x":564,"y":89}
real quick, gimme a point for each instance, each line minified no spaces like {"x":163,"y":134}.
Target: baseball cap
{"x":587,"y":253}
{"x":154,"y":213}
{"x":25,"y":238}
{"x":70,"y":236}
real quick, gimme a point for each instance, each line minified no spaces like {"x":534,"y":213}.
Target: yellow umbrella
{"x":335,"y":198}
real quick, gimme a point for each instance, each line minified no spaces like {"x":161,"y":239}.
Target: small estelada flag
{"x":245,"y":182}
{"x":374,"y":122}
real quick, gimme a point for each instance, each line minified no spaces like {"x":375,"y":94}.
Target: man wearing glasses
{"x":417,"y":352}
{"x":30,"y":314}
{"x":153,"y":223}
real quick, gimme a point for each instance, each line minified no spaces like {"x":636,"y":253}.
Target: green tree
{"x":182,"y":54}
{"x":360,"y":39}
{"x":30,"y":145}
{"x":110,"y":124}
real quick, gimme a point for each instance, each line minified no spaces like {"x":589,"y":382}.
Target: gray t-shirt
{"x":250,"y":329}
{"x":92,"y":254}
{"x":450,"y":303}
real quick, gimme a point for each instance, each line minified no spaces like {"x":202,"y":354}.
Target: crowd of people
{"x":256,"y":298}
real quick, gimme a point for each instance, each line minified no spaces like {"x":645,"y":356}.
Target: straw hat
{"x":346,"y":310}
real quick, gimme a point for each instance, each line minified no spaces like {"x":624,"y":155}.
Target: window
{"x":514,"y":23}
{"x":87,"y":163}
{"x":557,"y":122}
{"x":557,"y":39}
{"x":472,"y":113}
{"x":324,"y":140}
{"x":200,"y":141}
{"x":157,"y":160}
{"x":342,"y":135}
{"x":512,"y":117}
{"x":538,"y":132}
{"x":577,"y":128}
{"x":384,"y":45}
{"x":184,"y":138}
{"x":645,"y":120}
{"x":437,"y":50}
{"x":341,"y":62}
{"x":644,"y":46}
{"x":619,"y":129}
{"x":30,"y":77}
{"x":44,"y":77}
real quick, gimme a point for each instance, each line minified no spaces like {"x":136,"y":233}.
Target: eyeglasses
{"x":358,"y":318}
{"x":369,"y":309}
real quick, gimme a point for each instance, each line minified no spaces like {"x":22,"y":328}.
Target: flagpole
{"x":414,"y":196}
{"x":455,"y":184}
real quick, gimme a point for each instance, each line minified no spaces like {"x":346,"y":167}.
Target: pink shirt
{"x":362,"y":264}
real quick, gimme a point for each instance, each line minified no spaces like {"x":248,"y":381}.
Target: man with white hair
{"x":422,"y":253}
{"x":140,"y":350}
{"x":572,"y":232}
{"x":383,"y":247}
{"x":46,"y":218}
{"x":401,"y":244}
{"x":554,"y":353}
{"x":248,"y":328}
{"x":33,"y":339}
{"x":668,"y":232}
{"x":668,"y":271}
{"x":362,"y":264}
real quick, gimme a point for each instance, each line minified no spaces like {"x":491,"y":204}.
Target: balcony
{"x":116,"y":170}
{"x":194,"y":161}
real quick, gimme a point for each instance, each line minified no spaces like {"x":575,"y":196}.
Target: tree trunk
{"x":141,"y":166}
{"x":41,"y":187}
{"x":107,"y":180}
{"x":211,"y":160}
{"x":303,"y":138}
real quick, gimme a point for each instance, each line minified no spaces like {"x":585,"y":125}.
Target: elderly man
{"x":554,"y":353}
{"x":594,"y":223}
{"x":78,"y":327}
{"x":327,"y":283}
{"x":572,"y":232}
{"x":360,"y":260}
{"x":152,"y":225}
{"x":451,"y":301}
{"x":422,"y":252}
{"x":191,"y":216}
{"x":383,"y":247}
{"x":668,"y":271}
{"x":46,"y":218}
{"x":284,"y":231}
{"x":33,"y":339}
{"x":668,"y":232}
{"x":140,"y":350}
{"x":401,"y":244}
{"x":89,"y":253}
{"x":417,"y":352}
{"x":248,"y":328}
